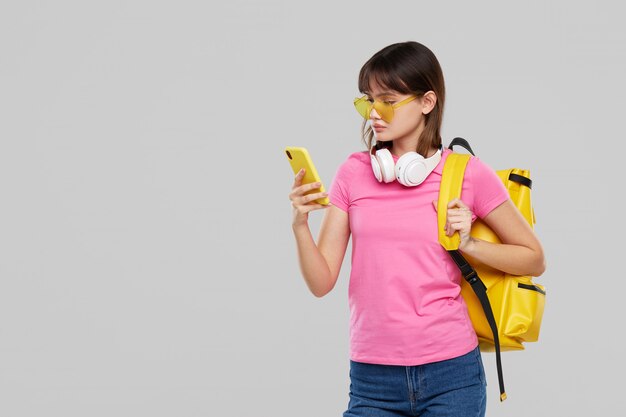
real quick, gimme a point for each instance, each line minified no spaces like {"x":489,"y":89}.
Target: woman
{"x":413,"y":349}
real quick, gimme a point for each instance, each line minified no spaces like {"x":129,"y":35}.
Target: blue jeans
{"x":454,"y":387}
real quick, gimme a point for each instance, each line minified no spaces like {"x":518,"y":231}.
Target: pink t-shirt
{"x":404,"y":290}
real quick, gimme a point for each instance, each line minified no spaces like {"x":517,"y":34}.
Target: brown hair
{"x":408,"y":68}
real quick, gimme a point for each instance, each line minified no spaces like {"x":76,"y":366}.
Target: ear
{"x":429,"y":99}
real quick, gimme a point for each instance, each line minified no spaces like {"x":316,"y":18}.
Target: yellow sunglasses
{"x":384,"y":109}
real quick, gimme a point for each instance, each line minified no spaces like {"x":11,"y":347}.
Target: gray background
{"x":147,"y":263}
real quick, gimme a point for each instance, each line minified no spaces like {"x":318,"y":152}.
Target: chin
{"x":382,"y":137}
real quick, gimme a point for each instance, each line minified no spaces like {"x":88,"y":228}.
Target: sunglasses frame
{"x":381,"y":106}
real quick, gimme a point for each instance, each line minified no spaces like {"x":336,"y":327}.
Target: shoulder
{"x":475,"y":166}
{"x":479,"y":170}
{"x":354,"y":162}
{"x":358,"y":158}
{"x":487,"y":188}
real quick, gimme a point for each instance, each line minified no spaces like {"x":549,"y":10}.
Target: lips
{"x":376,"y":126}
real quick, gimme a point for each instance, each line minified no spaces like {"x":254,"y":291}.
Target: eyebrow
{"x":383,"y":94}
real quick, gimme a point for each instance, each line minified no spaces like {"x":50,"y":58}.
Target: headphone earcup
{"x":411,"y":169}
{"x":376,"y":168}
{"x":386,"y":164}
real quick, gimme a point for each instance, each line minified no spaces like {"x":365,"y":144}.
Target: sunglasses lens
{"x":363,"y":106}
{"x":385,"y":111}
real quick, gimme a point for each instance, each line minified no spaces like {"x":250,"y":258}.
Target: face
{"x":408,"y":120}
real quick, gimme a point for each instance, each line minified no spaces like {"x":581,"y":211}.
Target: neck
{"x":409,"y":144}
{"x":402,"y":146}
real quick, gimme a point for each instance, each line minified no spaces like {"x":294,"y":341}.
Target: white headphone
{"x":410,"y":170}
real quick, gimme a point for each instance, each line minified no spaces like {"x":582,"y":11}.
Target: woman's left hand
{"x":459,"y":219}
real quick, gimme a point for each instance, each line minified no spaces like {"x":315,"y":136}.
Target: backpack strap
{"x":450,"y":188}
{"x":461,"y":142}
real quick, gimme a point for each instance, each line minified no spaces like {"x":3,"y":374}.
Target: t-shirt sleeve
{"x":489,"y":191}
{"x":338,"y":192}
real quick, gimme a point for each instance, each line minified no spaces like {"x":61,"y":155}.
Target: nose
{"x":374,"y":114}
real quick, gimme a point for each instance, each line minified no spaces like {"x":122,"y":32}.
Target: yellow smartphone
{"x":299,"y":158}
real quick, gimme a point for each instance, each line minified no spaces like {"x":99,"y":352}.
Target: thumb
{"x":435,"y":204}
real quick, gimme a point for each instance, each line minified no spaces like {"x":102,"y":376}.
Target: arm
{"x":320,"y":264}
{"x":520,"y":253}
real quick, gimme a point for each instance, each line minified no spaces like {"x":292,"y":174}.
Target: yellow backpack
{"x":505,"y":310}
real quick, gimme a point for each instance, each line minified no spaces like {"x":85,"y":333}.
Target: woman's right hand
{"x":303,"y":204}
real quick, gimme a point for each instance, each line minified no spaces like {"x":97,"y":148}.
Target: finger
{"x":297,"y":181}
{"x":454,"y":212}
{"x":300,"y":190}
{"x":457,"y":202}
{"x":315,"y":196}
{"x":452,"y":219}
{"x":314,"y":185}
{"x":310,"y":207}
{"x":457,"y":216}
{"x":296,"y":193}
{"x":308,"y":187}
{"x":449,"y":231}
{"x":459,"y":211}
{"x":456,"y":223}
{"x":452,"y":203}
{"x":460,"y":227}
{"x":460,"y":223}
{"x":305,"y":200}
